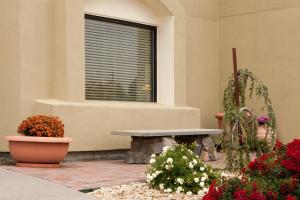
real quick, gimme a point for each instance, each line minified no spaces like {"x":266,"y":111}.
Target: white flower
{"x":194,"y":173}
{"x":169,"y":190}
{"x":170,"y":160}
{"x":167,"y":167}
{"x":180,"y":181}
{"x":200,"y":192}
{"x":197,"y":156}
{"x":179,"y":189}
{"x":154,"y":175}
{"x":158,"y":172}
{"x":205,"y":190}
{"x":190,"y":151}
{"x":166,"y":148}
{"x":153,"y":155}
{"x":152,"y":160}
{"x":184,"y":157}
{"x":205,"y":174}
{"x":196,"y":180}
{"x":194,"y":161}
{"x":203,"y":178}
{"x":202,"y":169}
{"x":201,"y":184}
{"x":161,"y":186}
{"x":149,"y":178}
{"x":189,"y":193}
{"x":191,"y":165}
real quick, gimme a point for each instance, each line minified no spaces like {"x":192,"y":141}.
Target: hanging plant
{"x":240,"y":123}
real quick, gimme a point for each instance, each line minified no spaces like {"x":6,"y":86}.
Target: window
{"x":120,"y":60}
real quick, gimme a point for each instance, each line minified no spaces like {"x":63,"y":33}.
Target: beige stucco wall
{"x":91,"y":123}
{"x":9,"y":68}
{"x":42,"y":57}
{"x":25,"y":60}
{"x":202,"y":57}
{"x":42,"y":64}
{"x":267,"y":37}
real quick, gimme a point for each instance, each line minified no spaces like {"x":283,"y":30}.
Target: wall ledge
{"x":114,"y":104}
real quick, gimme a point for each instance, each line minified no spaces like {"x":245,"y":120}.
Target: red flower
{"x":292,"y":161}
{"x":260,"y":164}
{"x":252,"y":165}
{"x":255,"y":195}
{"x":272,"y":195}
{"x":278,"y":144}
{"x":240,"y":194}
{"x":214,"y":193}
{"x":290,"y":197}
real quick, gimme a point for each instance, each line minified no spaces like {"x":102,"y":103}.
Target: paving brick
{"x":94,"y":174}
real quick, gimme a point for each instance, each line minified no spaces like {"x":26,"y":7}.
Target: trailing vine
{"x":240,"y":123}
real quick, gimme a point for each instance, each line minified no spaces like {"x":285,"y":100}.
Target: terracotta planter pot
{"x":220,"y":118}
{"x":38,"y":151}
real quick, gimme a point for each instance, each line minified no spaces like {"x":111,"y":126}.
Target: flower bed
{"x":269,"y":177}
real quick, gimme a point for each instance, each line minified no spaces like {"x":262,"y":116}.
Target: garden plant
{"x":272,"y":176}
{"x":240,"y":123}
{"x":178,"y":169}
{"x":42,"y":126}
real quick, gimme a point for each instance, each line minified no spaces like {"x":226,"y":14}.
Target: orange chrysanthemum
{"x":42,"y":126}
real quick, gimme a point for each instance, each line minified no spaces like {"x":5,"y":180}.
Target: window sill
{"x":113,"y":104}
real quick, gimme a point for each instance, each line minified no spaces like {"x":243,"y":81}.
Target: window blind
{"x":120,"y":60}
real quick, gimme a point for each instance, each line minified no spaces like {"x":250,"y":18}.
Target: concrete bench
{"x":147,"y":142}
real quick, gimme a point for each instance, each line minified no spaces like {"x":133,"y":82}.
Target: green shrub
{"x":179,"y":170}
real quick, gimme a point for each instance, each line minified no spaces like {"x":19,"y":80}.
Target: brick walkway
{"x":84,"y":175}
{"x":95,"y":174}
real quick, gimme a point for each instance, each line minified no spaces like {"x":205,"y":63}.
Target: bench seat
{"x":167,"y":132}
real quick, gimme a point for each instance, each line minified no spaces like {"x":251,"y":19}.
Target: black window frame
{"x":153,"y":48}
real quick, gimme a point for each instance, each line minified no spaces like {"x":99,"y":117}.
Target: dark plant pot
{"x":261,"y":123}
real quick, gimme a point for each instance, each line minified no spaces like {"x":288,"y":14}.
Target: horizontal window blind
{"x":120,"y":60}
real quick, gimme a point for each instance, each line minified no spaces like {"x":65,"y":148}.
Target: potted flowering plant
{"x":41,"y":144}
{"x":262,"y":120}
{"x":263,"y":128}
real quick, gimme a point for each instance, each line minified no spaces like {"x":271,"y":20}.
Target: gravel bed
{"x":138,"y":191}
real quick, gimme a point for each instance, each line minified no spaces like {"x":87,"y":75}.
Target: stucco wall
{"x":9,"y":69}
{"x":42,"y":57}
{"x":202,"y":58}
{"x":267,"y":37}
{"x":25,"y":60}
{"x":90,"y":123}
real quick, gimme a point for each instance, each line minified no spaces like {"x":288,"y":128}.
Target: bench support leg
{"x":210,"y":148}
{"x":142,"y":148}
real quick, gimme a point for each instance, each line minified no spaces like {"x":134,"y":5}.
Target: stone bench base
{"x":142,"y":147}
